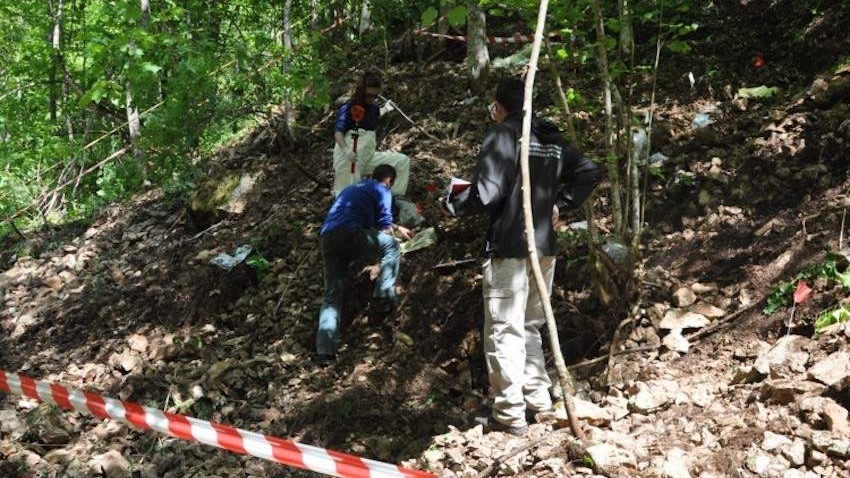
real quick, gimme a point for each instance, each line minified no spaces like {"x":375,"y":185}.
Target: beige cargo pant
{"x":367,"y":160}
{"x":513,"y":348}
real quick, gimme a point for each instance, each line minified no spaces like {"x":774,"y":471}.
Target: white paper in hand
{"x":456,"y":187}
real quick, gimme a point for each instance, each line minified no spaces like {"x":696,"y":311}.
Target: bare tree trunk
{"x":477,"y":54}
{"x":612,"y":160}
{"x":365,"y":17}
{"x":564,"y":376}
{"x":134,"y":124}
{"x":442,"y":24}
{"x":56,"y":48}
{"x":649,"y":122}
{"x":627,"y":37}
{"x":289,"y":114}
{"x":568,"y":116}
{"x":287,"y":30}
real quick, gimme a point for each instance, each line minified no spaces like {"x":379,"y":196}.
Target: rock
{"x":787,"y":354}
{"x":618,"y":407}
{"x":839,"y":448}
{"x":772,"y":441}
{"x":745,"y":374}
{"x":205,"y":255}
{"x":55,"y":283}
{"x":606,"y":455}
{"x":836,"y":418}
{"x":701,"y":395}
{"x":833,"y":371}
{"x":653,"y":395}
{"x":162,"y":348}
{"x":707,"y":310}
{"x":757,"y":463}
{"x":433,"y":456}
{"x":217,"y":195}
{"x":708,"y":439}
{"x":681,"y":319}
{"x":59,"y":456}
{"x":138,"y":343}
{"x":700,"y":288}
{"x":704,"y":197}
{"x":684,"y":297}
{"x":111,"y":464}
{"x":830,"y":443}
{"x":591,"y":413}
{"x":676,"y":342}
{"x":127,"y":360}
{"x":11,"y":423}
{"x":813,"y":409}
{"x":53,"y":434}
{"x":784,"y":391}
{"x":674,"y":464}
{"x":795,"y":452}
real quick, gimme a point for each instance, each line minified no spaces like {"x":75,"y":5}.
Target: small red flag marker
{"x":802,"y":293}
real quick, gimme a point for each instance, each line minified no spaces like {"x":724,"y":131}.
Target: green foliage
{"x":782,"y":294}
{"x":259,"y":263}
{"x":199,"y":67}
{"x":457,"y":15}
{"x":429,"y":16}
{"x":779,"y":297}
{"x":830,"y":317}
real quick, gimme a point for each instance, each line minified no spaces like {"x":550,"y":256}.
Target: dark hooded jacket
{"x":559,"y":173}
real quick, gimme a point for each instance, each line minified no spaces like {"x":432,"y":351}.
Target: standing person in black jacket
{"x":513,"y":311}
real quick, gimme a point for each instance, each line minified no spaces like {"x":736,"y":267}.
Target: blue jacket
{"x":363,"y":205}
{"x":344,"y":123}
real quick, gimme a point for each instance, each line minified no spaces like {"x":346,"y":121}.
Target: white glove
{"x":389,"y":106}
{"x":350,"y":156}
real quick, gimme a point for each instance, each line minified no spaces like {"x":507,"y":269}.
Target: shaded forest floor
{"x":130,"y":306}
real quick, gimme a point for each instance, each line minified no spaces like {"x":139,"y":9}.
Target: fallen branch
{"x":692,"y":337}
{"x":492,"y":468}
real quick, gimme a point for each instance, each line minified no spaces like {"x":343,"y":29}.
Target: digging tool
{"x":413,"y":123}
{"x":447,"y":266}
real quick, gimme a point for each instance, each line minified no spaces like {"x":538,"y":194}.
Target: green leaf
{"x":678,"y":46}
{"x":831,"y":317}
{"x":95,"y":93}
{"x":843,"y":279}
{"x":150,"y":67}
{"x":428,"y":16}
{"x":457,"y":15}
{"x":758,"y":92}
{"x":561,"y":53}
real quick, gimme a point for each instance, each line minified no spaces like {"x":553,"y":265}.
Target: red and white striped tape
{"x":516,"y":38}
{"x":287,"y":452}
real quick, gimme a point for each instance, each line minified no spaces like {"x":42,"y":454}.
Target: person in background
{"x":513,"y":310}
{"x":354,"y":136}
{"x":359,"y":224}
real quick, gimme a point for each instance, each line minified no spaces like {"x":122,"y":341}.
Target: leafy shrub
{"x":781,"y":296}
{"x":830,"y":317}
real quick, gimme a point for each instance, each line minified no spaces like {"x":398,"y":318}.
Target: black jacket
{"x":557,"y":170}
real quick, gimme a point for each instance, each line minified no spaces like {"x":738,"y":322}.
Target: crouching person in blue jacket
{"x":359,"y":224}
